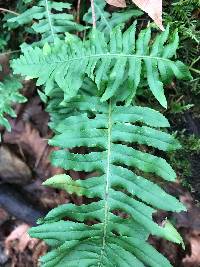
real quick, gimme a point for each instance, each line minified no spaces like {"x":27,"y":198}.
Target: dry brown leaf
{"x":19,"y":236}
{"x":193,"y":260}
{"x":117,"y":3}
{"x":152,"y":7}
{"x":29,"y":141}
{"x":27,"y":137}
{"x":22,"y":249}
{"x":38,"y":252}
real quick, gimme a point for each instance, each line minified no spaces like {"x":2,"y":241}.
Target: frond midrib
{"x":102,"y":16}
{"x":106,"y":206}
{"x":102,"y":56}
{"x":49,"y":19}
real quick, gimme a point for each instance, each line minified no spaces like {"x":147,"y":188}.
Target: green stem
{"x":194,"y":70}
{"x":10,"y":52}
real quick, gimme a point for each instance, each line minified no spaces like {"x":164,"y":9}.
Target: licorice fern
{"x":120,"y":61}
{"x":88,"y":86}
{"x":47,"y":23}
{"x":114,"y":239}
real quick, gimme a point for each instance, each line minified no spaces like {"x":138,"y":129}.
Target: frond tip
{"x":113,"y":185}
{"x":116,"y":66}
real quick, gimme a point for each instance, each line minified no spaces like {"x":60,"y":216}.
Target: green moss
{"x":180,"y":159}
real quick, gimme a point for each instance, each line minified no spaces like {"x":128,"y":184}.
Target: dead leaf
{"x":27,"y":136}
{"x":34,"y":112}
{"x":117,"y":3}
{"x":152,"y":7}
{"x":22,"y":249}
{"x":38,"y":252}
{"x":30,"y":143}
{"x":193,"y":260}
{"x":20,"y":238}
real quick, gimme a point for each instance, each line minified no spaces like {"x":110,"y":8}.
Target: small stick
{"x":9,"y":52}
{"x":9,"y":11}
{"x":78,"y":11}
{"x":93,"y":14}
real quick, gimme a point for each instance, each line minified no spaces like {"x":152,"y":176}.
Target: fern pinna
{"x":9,"y":95}
{"x":120,"y":63}
{"x":113,"y":229}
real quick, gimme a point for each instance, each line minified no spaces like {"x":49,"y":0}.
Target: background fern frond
{"x":112,"y":240}
{"x":121,"y":61}
{"x":50,"y":20}
{"x":182,"y":16}
{"x":9,"y":95}
{"x":106,"y":21}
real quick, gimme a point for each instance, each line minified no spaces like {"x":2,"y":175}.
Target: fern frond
{"x":120,"y":61}
{"x":182,"y":16}
{"x":113,"y":239}
{"x":106,"y":21}
{"x":9,"y":95}
{"x":48,"y":23}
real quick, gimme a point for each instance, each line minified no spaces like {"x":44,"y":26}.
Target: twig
{"x":10,"y":52}
{"x":93,"y":14}
{"x":78,"y":11}
{"x":78,"y":14}
{"x":9,"y":11}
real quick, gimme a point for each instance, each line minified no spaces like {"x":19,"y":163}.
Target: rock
{"x":17,"y":205}
{"x":12,"y":168}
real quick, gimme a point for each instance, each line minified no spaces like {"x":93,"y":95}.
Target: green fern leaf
{"x":105,"y":21}
{"x":9,"y":94}
{"x":113,"y":239}
{"x":120,"y":61}
{"x":48,"y":23}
